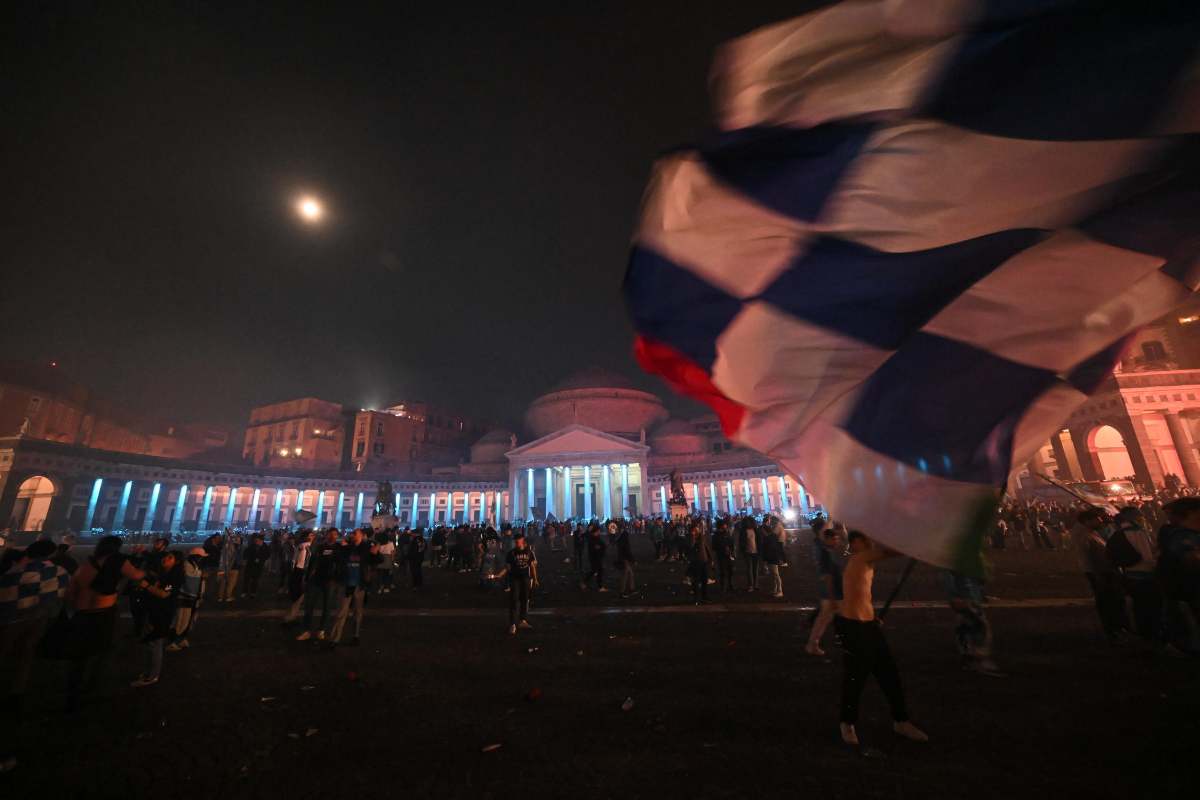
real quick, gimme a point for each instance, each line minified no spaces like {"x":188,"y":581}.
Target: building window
{"x":1137,"y":399}
{"x":1177,"y":396}
{"x":362,"y":428}
{"x":1154,"y":351}
{"x":359,"y":447}
{"x":1162,"y":397}
{"x":379,"y":429}
{"x":378,"y":448}
{"x":1191,"y":396}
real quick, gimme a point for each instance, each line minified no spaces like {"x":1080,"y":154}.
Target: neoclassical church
{"x":594,"y":446}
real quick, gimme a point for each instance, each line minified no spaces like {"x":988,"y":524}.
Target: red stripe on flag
{"x":686,"y":377}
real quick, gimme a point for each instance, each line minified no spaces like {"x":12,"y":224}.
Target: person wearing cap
{"x":519,"y":569}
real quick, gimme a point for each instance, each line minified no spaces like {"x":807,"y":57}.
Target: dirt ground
{"x":725,"y":702}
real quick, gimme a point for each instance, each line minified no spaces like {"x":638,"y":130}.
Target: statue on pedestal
{"x":385,"y":500}
{"x":677,"y":503}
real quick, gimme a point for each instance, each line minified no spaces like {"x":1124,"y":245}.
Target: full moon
{"x":309,"y":209}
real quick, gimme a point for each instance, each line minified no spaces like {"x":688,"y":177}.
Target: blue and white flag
{"x":919,"y":238}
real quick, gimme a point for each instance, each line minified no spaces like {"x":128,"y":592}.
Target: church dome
{"x":593,"y":378}
{"x":492,"y":446}
{"x":597,"y":398}
{"x":676,"y":437}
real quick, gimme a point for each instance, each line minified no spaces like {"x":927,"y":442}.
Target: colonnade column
{"x":550,"y":509}
{"x":587,"y":492}
{"x":205,"y":508}
{"x":152,"y":508}
{"x":1183,"y":447}
{"x":624,"y":490}
{"x":606,"y":484}
{"x":277,"y":511}
{"x":568,"y":498}
{"x":180,"y":508}
{"x":729,"y":496}
{"x":252,"y":518}
{"x":528,"y":493}
{"x":231,"y":506}
{"x":319,"y":522}
{"x":118,"y":522}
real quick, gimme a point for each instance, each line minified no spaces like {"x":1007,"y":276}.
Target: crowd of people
{"x":1145,"y":586}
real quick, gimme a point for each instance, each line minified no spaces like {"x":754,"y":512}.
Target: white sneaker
{"x":602,"y":589}
{"x":304,"y":636}
{"x":512,"y":629}
{"x":909,"y":731}
{"x":320,"y":636}
{"x":849,"y":735}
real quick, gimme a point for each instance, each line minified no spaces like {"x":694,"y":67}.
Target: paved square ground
{"x":725,"y":703}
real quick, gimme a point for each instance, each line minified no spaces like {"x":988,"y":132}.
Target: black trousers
{"x":699,"y":575}
{"x":1110,"y":602}
{"x":597,"y":572}
{"x":725,"y":574}
{"x":414,"y":571}
{"x":88,"y":670}
{"x":865,"y":652}
{"x":254,"y":571}
{"x":519,"y":595}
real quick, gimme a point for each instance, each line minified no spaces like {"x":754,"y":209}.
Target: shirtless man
{"x":864,"y":649}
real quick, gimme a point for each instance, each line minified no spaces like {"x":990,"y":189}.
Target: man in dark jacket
{"x":356,"y":559}
{"x":748,"y":548}
{"x":319,"y":585}
{"x":595,"y":550}
{"x":579,"y":542}
{"x":254,"y":561}
{"x":700,"y":560}
{"x":415,"y":556}
{"x":723,"y":553}
{"x":625,"y":561}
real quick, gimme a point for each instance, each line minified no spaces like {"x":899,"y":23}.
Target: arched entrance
{"x":34,"y":496}
{"x":1108,"y":449}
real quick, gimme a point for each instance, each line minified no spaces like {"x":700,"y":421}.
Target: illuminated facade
{"x":610,"y":456}
{"x":1142,"y":423}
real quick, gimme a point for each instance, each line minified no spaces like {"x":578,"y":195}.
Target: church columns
{"x":1183,"y":447}
{"x":587,"y":492}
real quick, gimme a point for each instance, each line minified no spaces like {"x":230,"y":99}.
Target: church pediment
{"x":578,"y":439}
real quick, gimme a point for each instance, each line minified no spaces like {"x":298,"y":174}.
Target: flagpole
{"x":1066,"y":489}
{"x":908,"y":568}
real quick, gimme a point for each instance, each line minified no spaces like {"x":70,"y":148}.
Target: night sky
{"x":482,"y":171}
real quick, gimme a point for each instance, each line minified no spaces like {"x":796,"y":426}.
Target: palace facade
{"x":593,"y":446}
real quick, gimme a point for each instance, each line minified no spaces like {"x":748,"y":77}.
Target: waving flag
{"x":918,"y":239}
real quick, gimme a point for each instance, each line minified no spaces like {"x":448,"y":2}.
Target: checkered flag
{"x":919,"y":238}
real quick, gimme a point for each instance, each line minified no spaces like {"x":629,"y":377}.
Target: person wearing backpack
{"x":1178,"y":571}
{"x":1131,"y":549}
{"x":1102,"y":575}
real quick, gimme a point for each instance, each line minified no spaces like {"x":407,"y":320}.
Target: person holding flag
{"x":865,"y":650}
